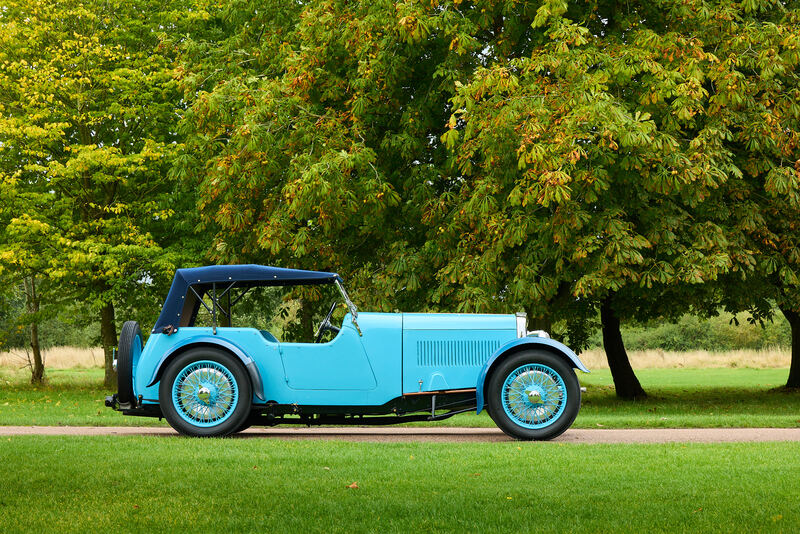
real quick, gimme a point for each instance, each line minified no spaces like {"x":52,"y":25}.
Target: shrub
{"x":693,"y":333}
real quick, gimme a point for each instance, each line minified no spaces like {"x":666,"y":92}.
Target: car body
{"x":380,"y":368}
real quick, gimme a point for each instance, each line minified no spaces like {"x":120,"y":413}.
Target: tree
{"x":591,"y":175}
{"x":583,"y":172}
{"x":25,"y":253}
{"x":87,"y":118}
{"x":316,"y":134}
{"x":11,"y":307}
{"x":760,"y":111}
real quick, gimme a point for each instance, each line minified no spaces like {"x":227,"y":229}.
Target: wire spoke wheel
{"x":533,"y":395}
{"x":205,"y":393}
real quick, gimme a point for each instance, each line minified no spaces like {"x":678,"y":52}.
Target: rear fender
{"x":543,"y":343}
{"x":186,"y":344}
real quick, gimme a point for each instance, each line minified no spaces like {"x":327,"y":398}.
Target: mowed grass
{"x":716,"y":397}
{"x":149,"y":484}
{"x":70,"y":397}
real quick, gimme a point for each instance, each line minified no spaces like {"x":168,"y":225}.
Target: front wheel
{"x":205,"y":392}
{"x":533,"y":395}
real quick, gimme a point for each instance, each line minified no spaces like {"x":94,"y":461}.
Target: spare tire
{"x":130,"y":348}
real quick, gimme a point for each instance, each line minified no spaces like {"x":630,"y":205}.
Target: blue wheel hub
{"x":205,"y":393}
{"x":534,"y":395}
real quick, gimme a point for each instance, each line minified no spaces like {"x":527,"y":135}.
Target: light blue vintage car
{"x":380,"y":368}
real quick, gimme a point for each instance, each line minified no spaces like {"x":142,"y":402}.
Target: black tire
{"x":223,"y":373}
{"x":130,"y":347}
{"x":244,"y":426}
{"x":527,"y":375}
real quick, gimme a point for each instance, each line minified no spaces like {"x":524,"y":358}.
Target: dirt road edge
{"x":443,"y":434}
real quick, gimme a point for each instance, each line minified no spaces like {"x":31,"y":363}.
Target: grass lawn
{"x":719,"y":397}
{"x":71,"y":397}
{"x":149,"y":484}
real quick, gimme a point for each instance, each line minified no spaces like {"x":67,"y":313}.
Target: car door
{"x":340,"y":364}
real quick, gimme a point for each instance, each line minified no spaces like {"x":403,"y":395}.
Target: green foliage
{"x":473,"y":156}
{"x":62,"y":324}
{"x":12,"y":306}
{"x":622,"y":155}
{"x":689,"y":333}
{"x":317,"y":128}
{"x":87,"y":125}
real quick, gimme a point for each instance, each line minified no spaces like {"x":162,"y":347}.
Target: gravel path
{"x":441,"y":434}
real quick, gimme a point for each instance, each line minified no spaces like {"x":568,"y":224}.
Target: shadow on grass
{"x":604,"y":397}
{"x":686,"y":407}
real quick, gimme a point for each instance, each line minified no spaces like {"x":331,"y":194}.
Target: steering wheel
{"x":326,"y":324}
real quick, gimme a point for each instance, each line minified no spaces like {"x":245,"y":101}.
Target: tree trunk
{"x":37,"y":372}
{"x":542,"y":322}
{"x":625,"y":382}
{"x":32,"y":301}
{"x":306,"y":320}
{"x":794,"y":370}
{"x":224,"y":319}
{"x":108,"y":335}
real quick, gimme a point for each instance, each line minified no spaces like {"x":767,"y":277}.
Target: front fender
{"x":247,"y":361}
{"x":548,"y":344}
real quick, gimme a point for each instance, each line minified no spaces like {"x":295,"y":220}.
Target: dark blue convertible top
{"x":181,"y":302}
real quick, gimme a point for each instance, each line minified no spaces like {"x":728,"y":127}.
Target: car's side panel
{"x":380,"y":341}
{"x":245,"y":343}
{"x":447,"y":351}
{"x":396,"y":354}
{"x":205,"y":339}
{"x":340,"y":364}
{"x":458,"y":321}
{"x":529,"y":342}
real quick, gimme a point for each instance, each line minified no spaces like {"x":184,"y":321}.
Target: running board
{"x":310,"y":420}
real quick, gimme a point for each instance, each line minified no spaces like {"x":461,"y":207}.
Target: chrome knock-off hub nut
{"x":534,"y":396}
{"x":204,"y":394}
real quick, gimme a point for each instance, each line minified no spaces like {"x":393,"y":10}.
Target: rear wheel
{"x":533,"y":395}
{"x":130,"y":348}
{"x":205,"y":392}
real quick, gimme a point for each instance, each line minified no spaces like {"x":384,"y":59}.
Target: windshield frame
{"x":350,"y":305}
